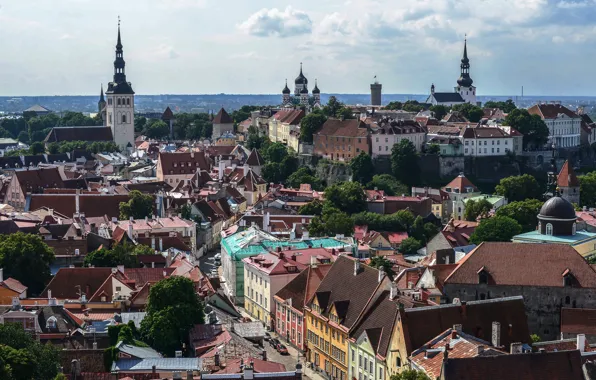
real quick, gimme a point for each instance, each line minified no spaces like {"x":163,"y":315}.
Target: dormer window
{"x":482,"y":276}
{"x":51,"y":322}
{"x":568,"y":278}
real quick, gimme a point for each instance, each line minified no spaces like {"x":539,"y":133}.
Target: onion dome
{"x":316,"y":89}
{"x":286,"y":90}
{"x":304,"y":91}
{"x":301,"y":79}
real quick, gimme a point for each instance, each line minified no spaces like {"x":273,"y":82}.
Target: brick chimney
{"x":496,"y":334}
{"x":516,"y":348}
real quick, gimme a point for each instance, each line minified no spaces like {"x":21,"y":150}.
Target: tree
{"x":309,"y":125}
{"x":139,"y":206}
{"x":157,"y":129}
{"x":410,"y":246}
{"x":332,"y":107}
{"x":313,"y":208}
{"x":587,"y":187}
{"x":519,"y":188}
{"x":140,"y":122}
{"x":506,"y":106}
{"x":23,"y":137}
{"x":362,"y":168}
{"x":470,"y":111}
{"x":22,"y":357}
{"x":173,"y":308}
{"x":394,"y":106}
{"x":275,"y":152}
{"x":524,"y":212}
{"x":53,"y":148}
{"x":272,"y":172}
{"x":339,"y":223}
{"x":346,"y":196}
{"x":433,"y":149}
{"x":404,"y":163}
{"x":439,"y":111}
{"x":304,"y":175}
{"x":532,"y":127}
{"x":388,"y":184}
{"x":27,"y":258}
{"x":412,"y":106}
{"x":382,"y":262}
{"x":476,"y":208}
{"x":497,"y":228}
{"x":345,"y":113}
{"x":410,"y":374}
{"x":120,"y":254}
{"x":37,"y":148}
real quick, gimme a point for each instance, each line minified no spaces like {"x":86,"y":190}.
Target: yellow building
{"x":334,"y":310}
{"x":284,"y":125}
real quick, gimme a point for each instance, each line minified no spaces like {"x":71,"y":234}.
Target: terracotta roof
{"x":551,"y":111}
{"x":259,"y":366}
{"x":14,"y":285}
{"x":222,"y":117}
{"x":255,"y":158}
{"x":33,"y":180}
{"x":352,"y":291}
{"x":458,"y":232}
{"x":178,"y":163}
{"x":524,"y":264}
{"x":345,"y":128}
{"x":302,"y":287}
{"x":563,"y":365}
{"x":291,"y":117}
{"x":64,"y":284}
{"x":461,"y":182}
{"x":90,"y":205}
{"x":567,"y":177}
{"x":476,"y":317}
{"x":578,"y":321}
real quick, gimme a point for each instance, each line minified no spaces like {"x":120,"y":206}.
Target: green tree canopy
{"x":37,"y":148}
{"x":532,"y":127}
{"x":470,"y":111}
{"x":22,"y":357}
{"x":362,"y":168}
{"x":173,"y":308}
{"x":382,"y":262}
{"x":313,"y":208}
{"x":304,"y":175}
{"x":27,"y":258}
{"x":412,"y":106}
{"x":120,"y":254}
{"x":524,"y":212}
{"x":309,"y":125}
{"x":388,"y":184}
{"x":439,"y":111}
{"x":410,"y":374}
{"x":519,"y":188}
{"x":139,"y":206}
{"x":394,"y":106}
{"x":476,"y":208}
{"x":157,"y":129}
{"x":588,"y":189}
{"x":346,"y":196}
{"x":506,"y":106}
{"x":405,"y":163}
{"x":497,"y":228}
{"x":410,"y":246}
{"x":333,"y":107}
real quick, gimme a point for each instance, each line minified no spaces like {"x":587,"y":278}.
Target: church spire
{"x":465,"y":58}
{"x":464,"y":79}
{"x":119,"y":44}
{"x":101,"y":98}
{"x":119,"y":64}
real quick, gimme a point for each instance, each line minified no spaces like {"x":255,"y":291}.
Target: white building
{"x":390,"y":132}
{"x":564,"y":125}
{"x":486,"y":141}
{"x":459,"y":190}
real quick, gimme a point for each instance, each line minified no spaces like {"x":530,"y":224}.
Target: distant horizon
{"x":322,"y":93}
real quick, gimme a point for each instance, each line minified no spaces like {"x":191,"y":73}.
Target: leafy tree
{"x":243,"y":113}
{"x":519,"y":188}
{"x":37,"y":148}
{"x":410,"y":246}
{"x":139,"y":206}
{"x":587,"y":187}
{"x":157,"y":129}
{"x":255,"y":140}
{"x":430,"y":230}
{"x":333,"y":106}
{"x":439,"y":111}
{"x":76,"y":119}
{"x":476,"y":208}
{"x":382,"y":262}
{"x":498,"y":228}
{"x":23,"y":137}
{"x":470,"y":111}
{"x":345,"y":113}
{"x":53,"y":148}
{"x":17,"y":152}
{"x":339,"y":223}
{"x":313,"y":208}
{"x":346,"y":196}
{"x":140,"y":122}
{"x":120,"y":254}
{"x":506,"y":106}
{"x":388,"y":184}
{"x":362,"y":168}
{"x":532,"y":127}
{"x":535,"y":338}
{"x":394,"y":106}
{"x":275,"y":152}
{"x":272,"y":172}
{"x":410,"y":374}
{"x":22,"y":357}
{"x":173,"y":308}
{"x":412,"y":106}
{"x":26,"y":258}
{"x":304,"y":175}
{"x":405,"y":162}
{"x":433,"y":149}
{"x":524,"y":212}
{"x":309,"y":125}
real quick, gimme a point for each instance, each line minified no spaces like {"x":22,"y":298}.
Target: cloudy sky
{"x":66,"y":47}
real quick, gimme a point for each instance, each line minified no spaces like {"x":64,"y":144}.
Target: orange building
{"x":342,"y":140}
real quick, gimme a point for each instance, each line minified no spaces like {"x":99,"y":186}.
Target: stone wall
{"x":332,"y":173}
{"x":451,"y":166}
{"x":543,"y":304}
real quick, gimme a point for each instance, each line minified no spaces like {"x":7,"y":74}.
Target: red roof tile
{"x":222,"y":117}
{"x":462,"y":183}
{"x":567,"y":177}
{"x":551,"y":111}
{"x":345,"y":128}
{"x":14,"y":285}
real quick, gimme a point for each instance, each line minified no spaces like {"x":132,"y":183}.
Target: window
{"x":483,"y":277}
{"x":466,"y":143}
{"x":118,"y":288}
{"x":51,"y":322}
{"x":549,"y":229}
{"x":466,"y":150}
{"x":110,"y":101}
{"x":119,"y":101}
{"x":128,"y":101}
{"x":573,"y":229}
{"x":493,"y":142}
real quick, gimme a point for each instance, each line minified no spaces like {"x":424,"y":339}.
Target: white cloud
{"x":574,"y":4}
{"x":273,"y":22}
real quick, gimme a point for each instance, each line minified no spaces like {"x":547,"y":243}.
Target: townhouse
{"x":387,"y":132}
{"x":174,"y":168}
{"x":564,"y":125}
{"x":284,"y":127}
{"x":486,"y":141}
{"x":460,"y":189}
{"x":342,"y":140}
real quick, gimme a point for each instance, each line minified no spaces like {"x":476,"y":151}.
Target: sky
{"x":66,"y":47}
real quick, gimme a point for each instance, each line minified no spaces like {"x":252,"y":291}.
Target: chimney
{"x":480,"y":349}
{"x":77,"y":202}
{"x":516,"y":348}
{"x":313,"y":262}
{"x":496,"y":334}
{"x":1,"y":274}
{"x":298,"y":368}
{"x":153,"y":369}
{"x":216,"y":359}
{"x":178,"y":354}
{"x":221,"y":170}
{"x":249,"y":371}
{"x":356,"y":267}
{"x":130,"y":231}
{"x":381,"y":274}
{"x":264,"y":354}
{"x":160,"y":244}
{"x":457,"y":327}
{"x":453,"y":334}
{"x":245,"y":168}
{"x":463,"y":309}
{"x":49,"y":294}
{"x":393,"y":291}
{"x":581,"y":342}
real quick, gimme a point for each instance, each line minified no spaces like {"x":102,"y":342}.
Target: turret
{"x":316,"y":93}
{"x":286,"y":94}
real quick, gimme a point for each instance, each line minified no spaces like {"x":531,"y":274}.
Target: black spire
{"x":465,"y":80}
{"x":119,"y":85}
{"x":301,"y":79}
{"x":101,"y":98}
{"x":316,"y":89}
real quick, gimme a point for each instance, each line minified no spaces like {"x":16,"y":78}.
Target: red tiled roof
{"x":567,"y":177}
{"x":302,"y":287}
{"x":259,"y":366}
{"x":64,"y":285}
{"x":255,"y":159}
{"x":524,"y":264}
{"x":461,"y":182}
{"x":344,"y":128}
{"x":32,"y":180}
{"x":291,"y":117}
{"x":14,"y":285}
{"x":182,"y":163}
{"x":551,"y":111}
{"x":222,"y":117}
{"x":578,"y":321}
{"x":90,"y":205}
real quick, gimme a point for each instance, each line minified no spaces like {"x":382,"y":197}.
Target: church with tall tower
{"x":464,"y":92}
{"x":301,"y":92}
{"x":120,"y":105}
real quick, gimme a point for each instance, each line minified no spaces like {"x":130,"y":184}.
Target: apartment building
{"x":341,"y":140}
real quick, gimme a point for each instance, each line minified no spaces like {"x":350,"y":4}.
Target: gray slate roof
{"x":447,"y":97}
{"x":137,"y":352}
{"x":161,"y":364}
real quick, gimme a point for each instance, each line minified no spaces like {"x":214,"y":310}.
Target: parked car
{"x":274,"y":342}
{"x":267,"y":336}
{"x":282,"y":349}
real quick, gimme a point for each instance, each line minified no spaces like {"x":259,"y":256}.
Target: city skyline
{"x":179,"y":47}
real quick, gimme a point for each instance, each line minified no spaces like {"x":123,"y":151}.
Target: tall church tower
{"x":464,"y":83}
{"x":120,"y":107}
{"x":300,"y":83}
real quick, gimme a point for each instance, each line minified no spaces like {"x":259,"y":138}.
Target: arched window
{"x":51,"y":322}
{"x":549,"y":229}
{"x":128,"y":101}
{"x":119,"y":102}
{"x":574,"y":229}
{"x":124,"y":118}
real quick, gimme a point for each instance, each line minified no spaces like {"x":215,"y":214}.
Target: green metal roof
{"x":493,"y":199}
{"x":536,"y":237}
